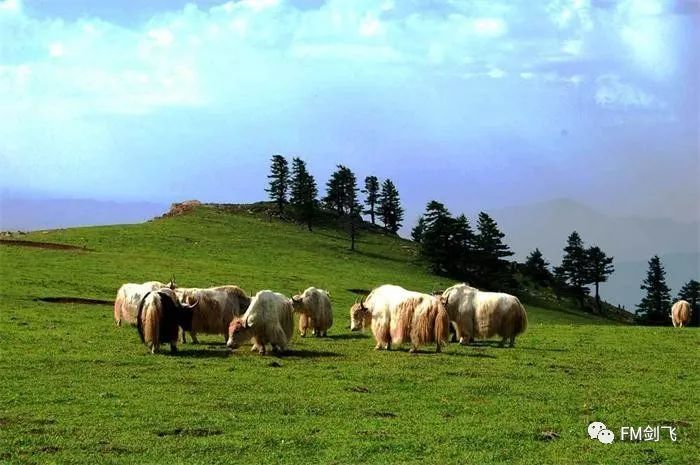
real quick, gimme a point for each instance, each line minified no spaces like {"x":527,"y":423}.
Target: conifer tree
{"x":490,"y":252}
{"x":537,"y":267}
{"x":279,"y":181}
{"x":600,"y":266}
{"x":575,"y":266}
{"x":655,"y":305}
{"x":390,"y":210}
{"x":372,"y":197}
{"x":303,"y":192}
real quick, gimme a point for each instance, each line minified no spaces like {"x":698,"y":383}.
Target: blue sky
{"x":480,"y":104}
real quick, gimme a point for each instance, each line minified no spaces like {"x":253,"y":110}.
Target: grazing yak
{"x":159,"y":315}
{"x":268,"y":320}
{"x":314,"y":308}
{"x":482,"y":315}
{"x":680,"y":313}
{"x":128,"y":297}
{"x":399,"y":316}
{"x":216,"y":307}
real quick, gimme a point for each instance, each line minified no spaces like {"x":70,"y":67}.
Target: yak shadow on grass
{"x":540,"y":349}
{"x":346,"y":336}
{"x":303,"y":353}
{"x":202,"y":353}
{"x":473,"y":354}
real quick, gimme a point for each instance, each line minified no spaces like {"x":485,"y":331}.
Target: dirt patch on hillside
{"x":42,"y":245}
{"x":73,"y":300}
{"x":181,"y":208}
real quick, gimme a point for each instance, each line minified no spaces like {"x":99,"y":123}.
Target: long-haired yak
{"x":216,"y":307}
{"x":128,"y":297}
{"x":478,"y":314}
{"x":315,"y":312}
{"x":158,"y":319}
{"x":398,"y":315}
{"x":680,"y":313}
{"x":268,"y":320}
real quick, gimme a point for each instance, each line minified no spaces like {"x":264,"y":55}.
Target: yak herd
{"x":165,"y":313}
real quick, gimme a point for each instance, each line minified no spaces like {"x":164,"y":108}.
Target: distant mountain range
{"x":29,"y":214}
{"x":632,"y":241}
{"x":546,"y":225}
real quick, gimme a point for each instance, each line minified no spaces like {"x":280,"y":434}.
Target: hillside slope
{"x":77,"y":389}
{"x":210,"y":245}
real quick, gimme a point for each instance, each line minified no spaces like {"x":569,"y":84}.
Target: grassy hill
{"x":76,"y":389}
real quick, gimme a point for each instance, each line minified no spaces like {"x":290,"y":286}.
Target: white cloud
{"x":496,"y":73}
{"x":490,"y":27}
{"x":613,"y":93}
{"x":10,"y":5}
{"x":370,"y":26}
{"x":162,"y":37}
{"x":56,"y":50}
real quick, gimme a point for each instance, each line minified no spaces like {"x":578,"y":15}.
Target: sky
{"x":479,"y":104}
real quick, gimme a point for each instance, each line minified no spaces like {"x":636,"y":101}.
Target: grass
{"x":76,"y":389}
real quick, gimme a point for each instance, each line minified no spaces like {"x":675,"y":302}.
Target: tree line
{"x":452,"y":248}
{"x":297,"y":189}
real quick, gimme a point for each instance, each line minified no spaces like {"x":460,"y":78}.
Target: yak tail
{"x":442,"y":326}
{"x":118,"y":302}
{"x":520,"y":323}
{"x":139,"y":319}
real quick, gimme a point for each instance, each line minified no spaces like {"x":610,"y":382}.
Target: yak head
{"x":238,"y":333}
{"x":360,"y":316}
{"x":185,"y":315}
{"x":298,"y":302}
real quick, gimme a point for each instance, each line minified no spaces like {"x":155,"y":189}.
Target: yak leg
{"x":280,"y":340}
{"x":173,"y":347}
{"x":193,"y":335}
{"x":512,"y":341}
{"x":413,"y":349}
{"x":503,"y":342}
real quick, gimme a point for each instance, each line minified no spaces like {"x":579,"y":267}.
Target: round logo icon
{"x":606,"y":436}
{"x":595,"y":428}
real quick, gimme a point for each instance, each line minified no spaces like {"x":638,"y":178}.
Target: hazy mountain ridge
{"x":30,"y":214}
{"x":632,"y":241}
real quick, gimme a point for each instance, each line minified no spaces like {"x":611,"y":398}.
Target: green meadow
{"x":74,"y":388}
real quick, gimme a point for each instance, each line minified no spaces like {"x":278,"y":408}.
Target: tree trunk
{"x":597,"y":298}
{"x":352,"y":234}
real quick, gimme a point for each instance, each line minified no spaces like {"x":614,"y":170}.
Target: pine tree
{"x":574,"y":265}
{"x":654,"y":307}
{"x":490,"y":251}
{"x":600,"y":266}
{"x":462,"y":248}
{"x":690,"y":292}
{"x":537,"y":267}
{"x":435,"y":232}
{"x":390,"y":210}
{"x":279,"y":181}
{"x":336,"y":190}
{"x":561,"y":287}
{"x":372,"y":198}
{"x":303,"y":192}
{"x":417,"y":231}
{"x":352,"y":205}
